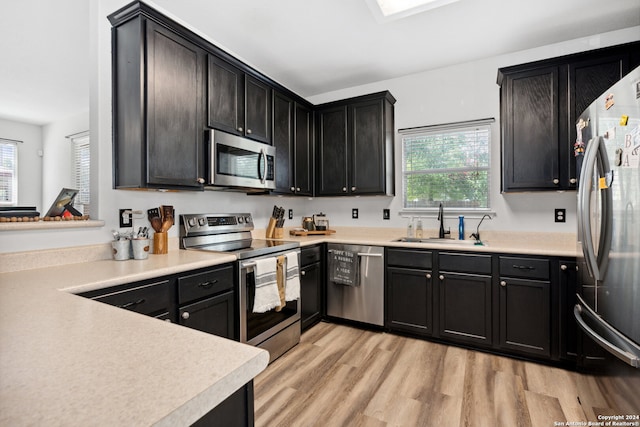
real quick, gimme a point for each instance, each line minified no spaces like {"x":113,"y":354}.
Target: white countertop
{"x":524,"y":243}
{"x":67,"y":360}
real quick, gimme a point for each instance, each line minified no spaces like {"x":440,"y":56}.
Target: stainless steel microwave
{"x":240,"y":163}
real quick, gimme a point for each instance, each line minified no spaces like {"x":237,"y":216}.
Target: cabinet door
{"x":525,"y":316}
{"x":530,"y":130}
{"x":568,"y":327}
{"x":409,"y":300}
{"x":213,"y":315}
{"x":366,"y":121}
{"x":225,"y":106}
{"x":310,"y":294}
{"x":283,"y":128}
{"x":304,"y":158}
{"x":257,"y":105}
{"x":332,"y":151}
{"x":587,"y":81}
{"x":175,"y":107}
{"x":465,"y":308}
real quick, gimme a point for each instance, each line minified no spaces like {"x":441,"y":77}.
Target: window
{"x":80,"y":171}
{"x":8,"y":172}
{"x":448,"y":164}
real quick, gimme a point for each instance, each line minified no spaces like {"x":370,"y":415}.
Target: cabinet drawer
{"x":310,"y":255}
{"x":410,"y":258}
{"x":146,"y":299}
{"x":465,"y":263}
{"x":203,"y":284}
{"x":529,"y":268}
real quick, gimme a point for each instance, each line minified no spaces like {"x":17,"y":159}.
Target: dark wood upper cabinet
{"x":540,"y":103}
{"x":238,"y":103}
{"x":293,"y":139}
{"x":225,"y":96}
{"x":158,"y":104}
{"x":355,"y":146}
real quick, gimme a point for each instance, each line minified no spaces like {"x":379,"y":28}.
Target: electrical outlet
{"x":386,"y":214}
{"x":125,"y":218}
{"x":290,"y":213}
{"x":560,"y":215}
{"x":354,"y":213}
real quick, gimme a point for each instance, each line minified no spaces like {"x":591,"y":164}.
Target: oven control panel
{"x":214,"y":223}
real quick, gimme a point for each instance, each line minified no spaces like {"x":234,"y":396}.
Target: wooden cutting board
{"x":310,"y":233}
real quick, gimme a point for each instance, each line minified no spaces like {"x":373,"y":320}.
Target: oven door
{"x":275,"y":331}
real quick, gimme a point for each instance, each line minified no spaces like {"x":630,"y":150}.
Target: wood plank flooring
{"x":344,"y":376}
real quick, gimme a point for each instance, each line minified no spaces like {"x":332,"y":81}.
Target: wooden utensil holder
{"x":160,"y":243}
{"x":270,"y":228}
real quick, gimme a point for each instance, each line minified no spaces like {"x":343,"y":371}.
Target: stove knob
{"x":247,"y":219}
{"x":240,"y":219}
{"x":192,"y":222}
{"x":201,"y":222}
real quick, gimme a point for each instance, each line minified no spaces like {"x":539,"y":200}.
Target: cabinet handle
{"x":303,"y":273}
{"x":248,"y":131}
{"x":297,"y":188}
{"x":207,"y":285}
{"x":428,"y":275}
{"x":573,"y":181}
{"x":441,"y":277}
{"x":523,"y":267}
{"x":563,"y":267}
{"x":185,"y":315}
{"x":503,"y":283}
{"x":293,"y":189}
{"x":353,"y":188}
{"x":132,"y":303}
{"x":200,"y":180}
{"x":556,"y":181}
{"x":344,"y":189}
{"x":240,"y":129}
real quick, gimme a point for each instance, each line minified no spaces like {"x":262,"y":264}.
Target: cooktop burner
{"x":230,"y":233}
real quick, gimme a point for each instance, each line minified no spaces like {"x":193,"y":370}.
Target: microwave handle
{"x":262,"y":166}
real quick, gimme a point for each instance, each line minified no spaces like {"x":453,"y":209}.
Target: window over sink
{"x":448,"y":164}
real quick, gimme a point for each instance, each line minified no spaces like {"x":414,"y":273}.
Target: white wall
{"x":466,"y":91}
{"x":29,"y":160}
{"x":57,"y":161}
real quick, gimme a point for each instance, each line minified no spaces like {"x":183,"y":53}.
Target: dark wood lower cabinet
{"x":213,"y":315}
{"x":236,"y":411}
{"x":409,"y":300}
{"x":465,"y":308}
{"x":525,"y":317}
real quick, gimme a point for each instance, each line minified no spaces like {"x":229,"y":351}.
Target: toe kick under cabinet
{"x":503,"y":303}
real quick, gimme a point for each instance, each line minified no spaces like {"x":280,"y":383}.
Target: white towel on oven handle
{"x":267,"y":296}
{"x":292,"y":287}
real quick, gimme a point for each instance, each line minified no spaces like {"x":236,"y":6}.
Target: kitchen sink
{"x":436,"y":240}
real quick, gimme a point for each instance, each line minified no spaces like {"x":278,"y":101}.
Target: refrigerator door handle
{"x":630,"y":354}
{"x":584,"y":202}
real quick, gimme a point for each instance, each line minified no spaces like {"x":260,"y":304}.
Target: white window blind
{"x":448,"y":164}
{"x":80,"y":171}
{"x":8,"y":172}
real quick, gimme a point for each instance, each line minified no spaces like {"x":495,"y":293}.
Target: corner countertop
{"x":67,"y":360}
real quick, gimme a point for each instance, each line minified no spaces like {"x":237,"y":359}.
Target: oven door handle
{"x":247,"y":265}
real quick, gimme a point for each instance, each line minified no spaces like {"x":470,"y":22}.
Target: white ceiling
{"x":309,"y":46}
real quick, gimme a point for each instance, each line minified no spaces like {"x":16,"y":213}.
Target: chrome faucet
{"x":476,"y":235}
{"x":442,"y":232}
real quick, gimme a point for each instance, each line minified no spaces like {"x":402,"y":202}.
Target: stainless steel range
{"x":275,"y":330}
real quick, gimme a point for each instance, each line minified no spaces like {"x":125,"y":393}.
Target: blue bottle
{"x":461,"y":227}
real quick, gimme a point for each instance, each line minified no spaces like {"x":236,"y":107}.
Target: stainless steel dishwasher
{"x":360,"y":295}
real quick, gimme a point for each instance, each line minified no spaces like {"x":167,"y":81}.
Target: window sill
{"x":448,"y":212}
{"x":50,"y":225}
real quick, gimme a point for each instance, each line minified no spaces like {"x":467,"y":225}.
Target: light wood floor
{"x":344,"y":376}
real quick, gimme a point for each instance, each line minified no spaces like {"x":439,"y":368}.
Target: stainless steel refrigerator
{"x":607,"y":153}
